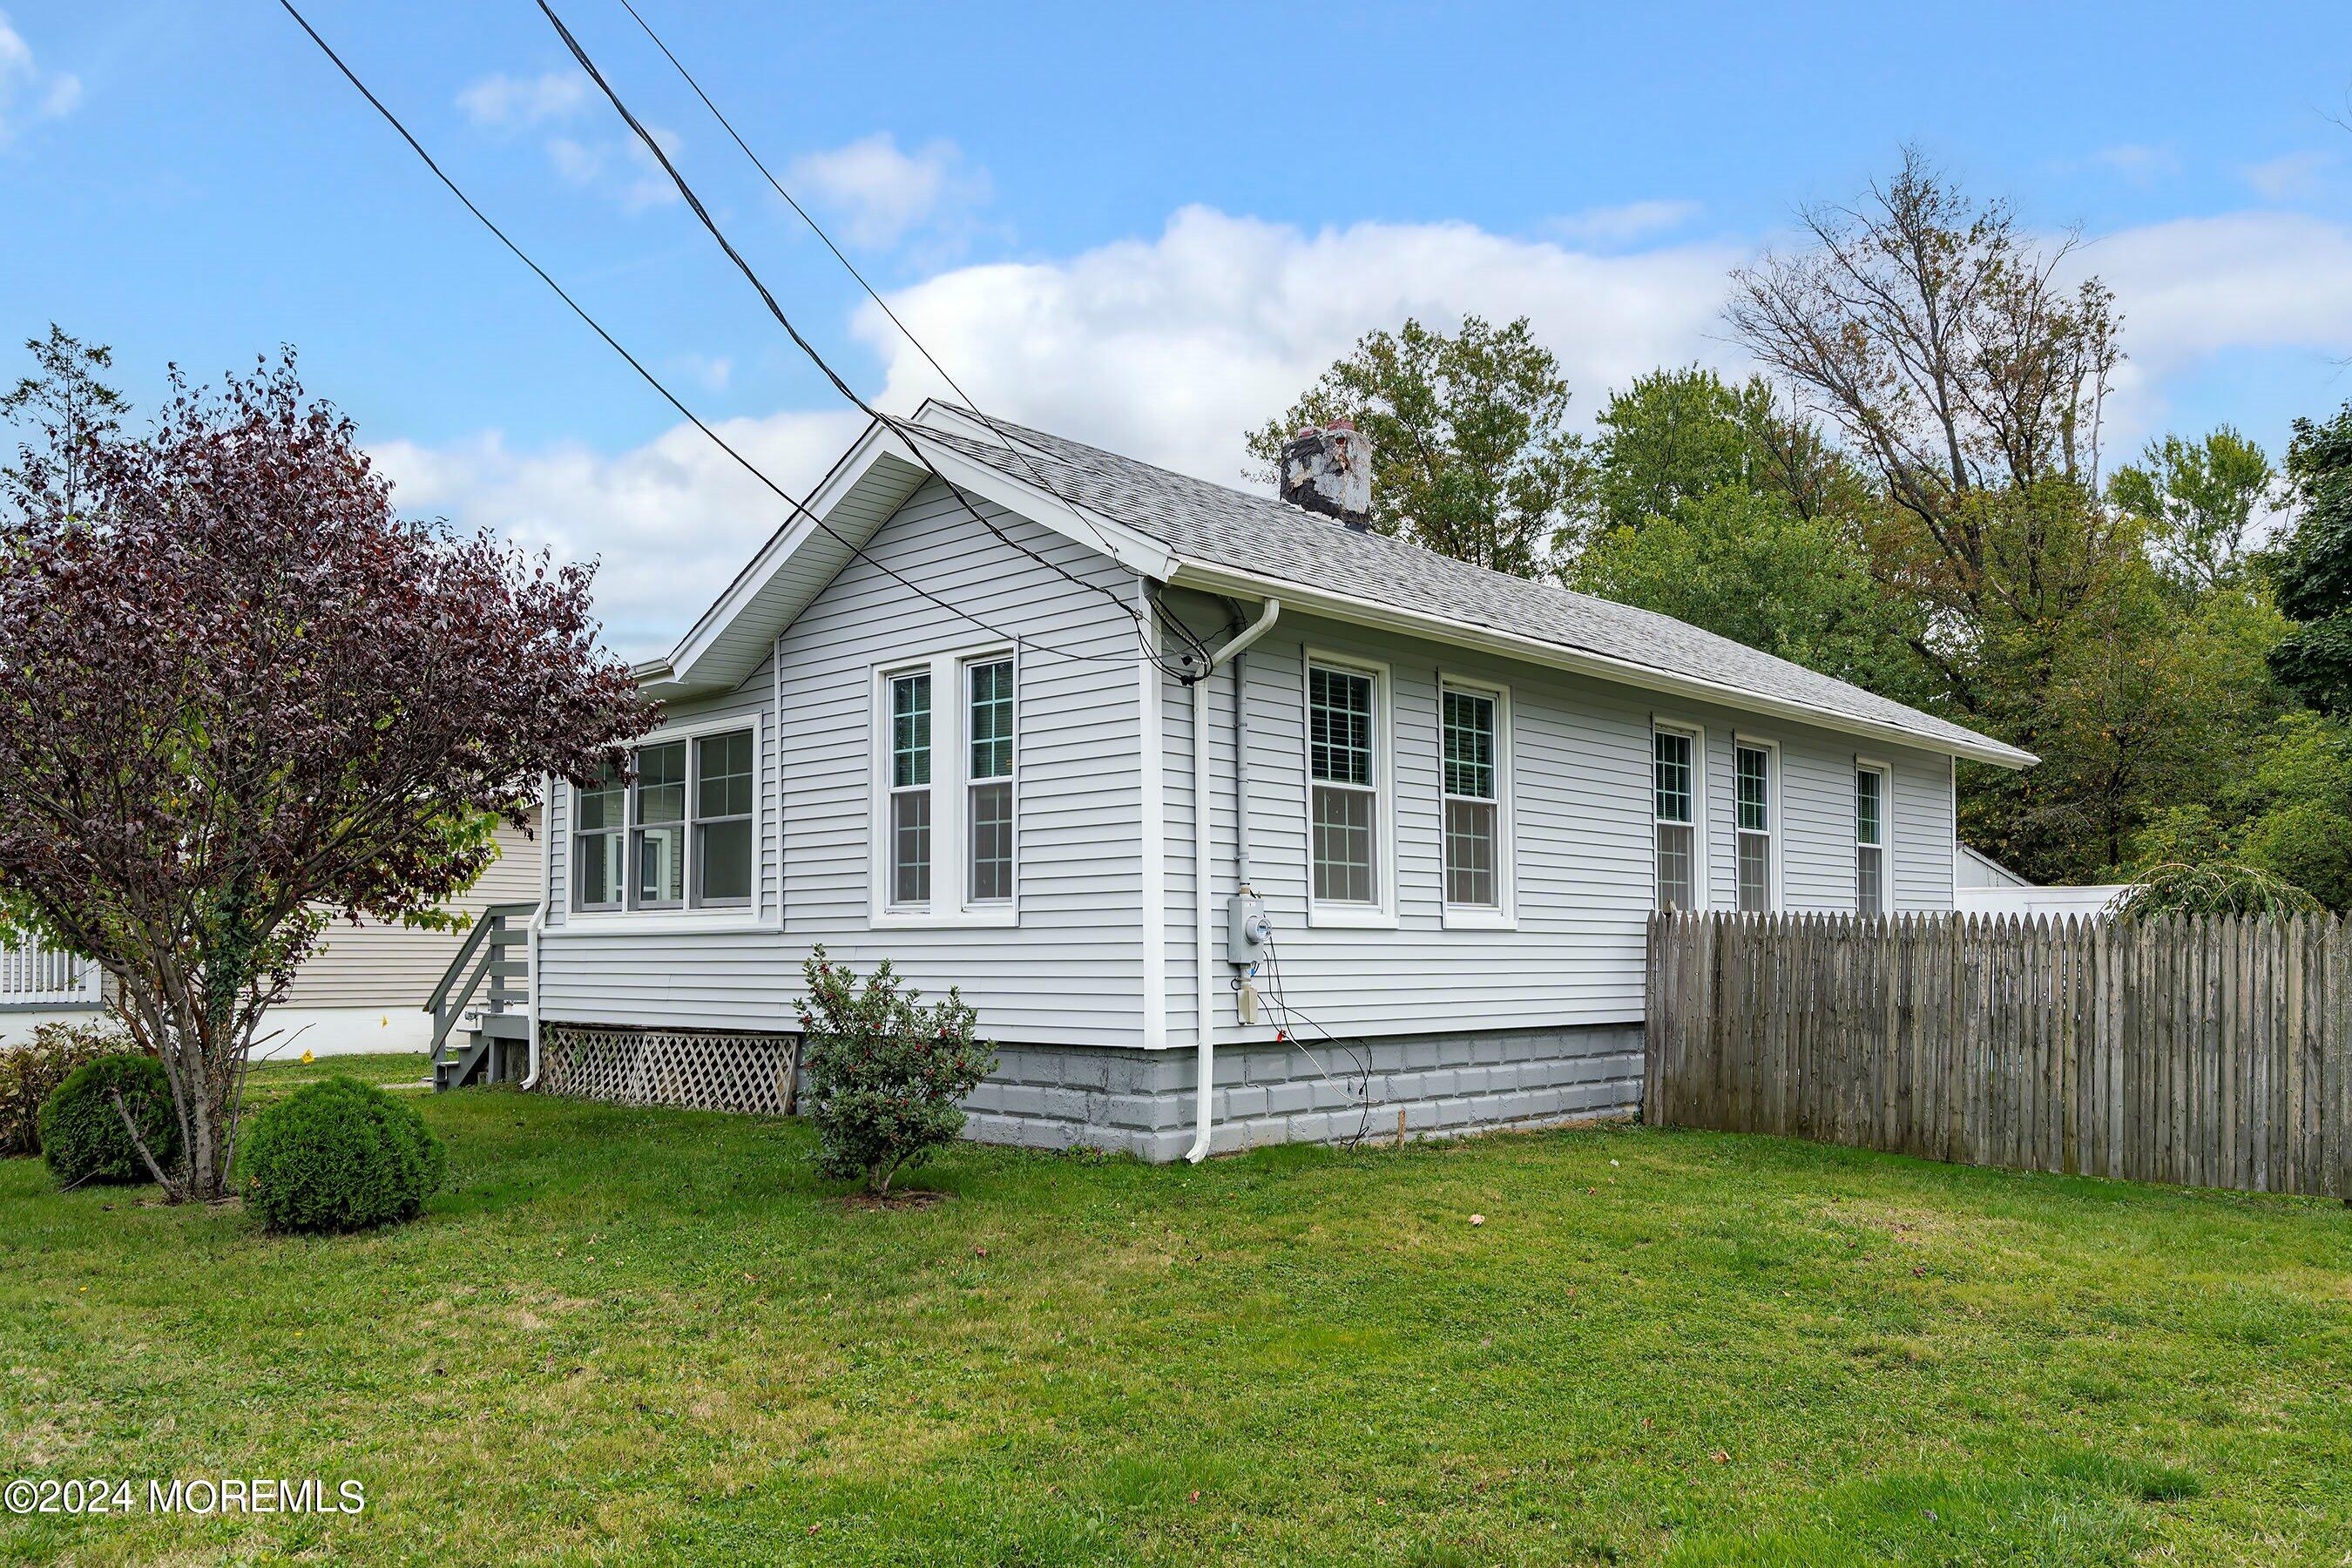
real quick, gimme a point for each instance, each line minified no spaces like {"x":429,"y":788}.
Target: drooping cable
{"x":1167,"y":621}
{"x":798,"y":508}
{"x":1186,"y":672}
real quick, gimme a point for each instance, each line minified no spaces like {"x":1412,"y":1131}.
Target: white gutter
{"x":1365,"y":611}
{"x":1204,"y":1011}
{"x":530,"y":932}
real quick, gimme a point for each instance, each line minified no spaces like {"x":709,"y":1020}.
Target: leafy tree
{"x":1935,"y":339}
{"x":1748,"y":567}
{"x":2197,"y":499}
{"x":71,"y":409}
{"x":1470,"y":454}
{"x":241,"y":697}
{"x":2217,"y":887}
{"x":2289,"y":812}
{"x":1679,"y":435}
{"x":2312,"y":567}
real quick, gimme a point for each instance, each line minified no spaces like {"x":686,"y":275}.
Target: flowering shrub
{"x":887,"y":1074}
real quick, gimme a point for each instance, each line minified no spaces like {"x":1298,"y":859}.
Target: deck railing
{"x":33,"y":975}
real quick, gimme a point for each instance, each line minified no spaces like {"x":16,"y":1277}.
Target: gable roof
{"x":1220,"y":536}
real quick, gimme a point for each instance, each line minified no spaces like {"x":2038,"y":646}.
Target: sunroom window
{"x":672,"y":831}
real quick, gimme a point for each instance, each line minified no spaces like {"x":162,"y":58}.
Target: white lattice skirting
{"x":699,"y":1068}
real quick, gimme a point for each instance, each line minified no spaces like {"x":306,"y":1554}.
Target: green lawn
{"x":633,"y":1335}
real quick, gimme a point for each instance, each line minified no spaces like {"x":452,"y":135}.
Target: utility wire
{"x":1185,"y":673}
{"x":1170,"y":622}
{"x":798,"y":508}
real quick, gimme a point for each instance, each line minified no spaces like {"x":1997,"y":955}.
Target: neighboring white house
{"x":1399,"y":886}
{"x":1986,"y":886}
{"x":363,"y":990}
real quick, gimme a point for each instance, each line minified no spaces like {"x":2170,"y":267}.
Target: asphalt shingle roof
{"x":1215,"y":525}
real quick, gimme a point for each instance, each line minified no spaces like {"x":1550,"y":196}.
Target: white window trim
{"x":1695,"y":732}
{"x":1885,"y":771}
{"x":1776,"y":785}
{"x":1382,"y":915}
{"x":685,"y":918}
{"x":1503,"y":914}
{"x":951,"y":794}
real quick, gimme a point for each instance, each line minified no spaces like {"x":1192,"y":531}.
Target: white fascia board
{"x":1535,"y":650}
{"x":683,"y":673}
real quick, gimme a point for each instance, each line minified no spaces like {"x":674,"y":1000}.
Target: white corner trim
{"x":1153,"y":847}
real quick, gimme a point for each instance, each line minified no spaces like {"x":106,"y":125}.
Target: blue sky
{"x":1146,"y":229}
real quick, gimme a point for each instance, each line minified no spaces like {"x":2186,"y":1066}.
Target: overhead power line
{"x":798,"y":508}
{"x":1176,"y":627}
{"x":1144,"y":632}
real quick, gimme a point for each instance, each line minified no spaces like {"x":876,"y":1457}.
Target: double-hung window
{"x":1344,"y":785}
{"x":600,"y":846}
{"x":1674,"y":792}
{"x":1752,"y":767}
{"x":1870,"y":840}
{"x":910,"y":789}
{"x":1475,"y":772}
{"x":674,"y":829}
{"x":988,"y":685}
{"x":658,"y":815}
{"x":945,"y":790}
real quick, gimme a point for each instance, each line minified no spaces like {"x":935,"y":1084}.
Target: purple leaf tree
{"x":243,"y":699}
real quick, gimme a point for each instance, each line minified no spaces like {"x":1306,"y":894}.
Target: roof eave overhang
{"x":1226,"y":580}
{"x":707,"y":659}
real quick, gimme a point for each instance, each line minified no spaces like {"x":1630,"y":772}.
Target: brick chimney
{"x":1329,"y":470}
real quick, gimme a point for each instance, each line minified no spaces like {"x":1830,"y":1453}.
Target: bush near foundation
{"x":887,"y":1075}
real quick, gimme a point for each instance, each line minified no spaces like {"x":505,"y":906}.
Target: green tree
{"x":1747,"y":566}
{"x":2197,"y":499}
{"x":2312,"y":568}
{"x":2289,"y":812}
{"x":1470,"y":453}
{"x":70,"y":412}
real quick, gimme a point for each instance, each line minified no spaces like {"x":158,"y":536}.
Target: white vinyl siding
{"x":1070,"y":971}
{"x":385,"y":965}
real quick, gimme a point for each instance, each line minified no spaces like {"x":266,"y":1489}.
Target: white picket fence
{"x":32,"y":975}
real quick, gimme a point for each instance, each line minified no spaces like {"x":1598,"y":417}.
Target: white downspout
{"x":530,"y":932}
{"x":1204,"y":949}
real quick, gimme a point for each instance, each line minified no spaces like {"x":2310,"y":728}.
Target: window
{"x":674,"y":830}
{"x":1675,"y":810}
{"x":1343,"y":787}
{"x":657,"y":807}
{"x":910,"y":789}
{"x":1470,"y":725}
{"x":990,"y":733}
{"x":1870,"y":840}
{"x":1753,"y":768}
{"x":600,"y":843}
{"x":722,"y":819}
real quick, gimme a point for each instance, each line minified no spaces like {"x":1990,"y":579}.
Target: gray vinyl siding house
{"x":1369,"y":1014}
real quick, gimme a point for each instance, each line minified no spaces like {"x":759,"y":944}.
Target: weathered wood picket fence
{"x":2211,"y":1052}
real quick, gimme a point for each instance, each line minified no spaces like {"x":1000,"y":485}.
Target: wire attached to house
{"x":1186,"y":672}
{"x":1167,"y":621}
{"x":1288,"y":1032}
{"x":798,"y":508}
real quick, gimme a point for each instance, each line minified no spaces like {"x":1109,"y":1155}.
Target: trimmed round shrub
{"x":339,"y":1155}
{"x":31,"y":1072}
{"x":83,"y":1135}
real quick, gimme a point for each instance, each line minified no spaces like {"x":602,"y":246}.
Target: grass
{"x":629,"y":1335}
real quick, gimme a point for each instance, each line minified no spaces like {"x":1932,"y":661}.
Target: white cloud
{"x":673,"y":521}
{"x":625,"y":170}
{"x":882,"y":194}
{"x":502,"y":99}
{"x":27,"y":93}
{"x":1623,"y":224}
{"x":1170,"y":348}
{"x":2288,"y":176}
{"x":2138,"y":163}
